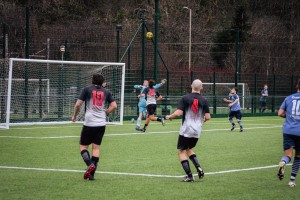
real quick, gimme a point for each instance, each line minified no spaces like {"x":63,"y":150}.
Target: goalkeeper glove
{"x":163,"y":81}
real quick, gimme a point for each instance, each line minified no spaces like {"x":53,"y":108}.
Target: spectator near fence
{"x":263,"y":98}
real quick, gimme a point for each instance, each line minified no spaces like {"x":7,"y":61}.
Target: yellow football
{"x":149,"y":35}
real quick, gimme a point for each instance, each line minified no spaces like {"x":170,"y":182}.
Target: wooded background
{"x":269,"y":32}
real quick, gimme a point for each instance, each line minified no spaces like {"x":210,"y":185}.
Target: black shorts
{"x":151,"y":108}
{"x":91,"y":135}
{"x":291,"y":141}
{"x":185,"y":143}
{"x":237,"y":114}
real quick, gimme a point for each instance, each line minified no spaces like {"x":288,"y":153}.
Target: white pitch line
{"x":127,"y":134}
{"x":132,"y":124}
{"x":138,"y":174}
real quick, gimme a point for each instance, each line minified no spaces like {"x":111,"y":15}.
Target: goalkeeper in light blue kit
{"x":290,"y":110}
{"x":142,"y":100}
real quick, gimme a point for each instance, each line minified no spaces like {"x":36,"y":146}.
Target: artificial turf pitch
{"x":43,"y":162}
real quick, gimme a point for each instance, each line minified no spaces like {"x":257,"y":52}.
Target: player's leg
{"x":85,"y":141}
{"x":193,"y":157}
{"x":95,"y":159}
{"x":85,"y":154}
{"x":288,"y":146}
{"x":296,"y":163}
{"x":260,"y":106}
{"x":139,"y":120}
{"x":150,"y":112}
{"x":181,"y":149}
{"x":153,"y":118}
{"x":295,"y":169}
{"x":230,"y":118}
{"x":96,"y":142}
{"x":264,"y":104}
{"x":86,"y":157}
{"x":239,"y":120}
{"x":142,"y":110}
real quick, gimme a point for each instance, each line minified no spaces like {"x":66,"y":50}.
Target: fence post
{"x":214,"y":95}
{"x":26,"y":56}
{"x":292,"y":84}
{"x":2,"y":74}
{"x":255,"y":93}
{"x":192,"y":76}
{"x":181,"y":85}
{"x":274,"y":93}
{"x":237,"y":49}
{"x":143,"y":49}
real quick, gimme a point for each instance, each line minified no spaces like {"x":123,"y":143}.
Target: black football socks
{"x":186,"y":166}
{"x":86,"y":157}
{"x":95,"y":160}
{"x":195,"y":161}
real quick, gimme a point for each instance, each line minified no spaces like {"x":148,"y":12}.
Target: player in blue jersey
{"x":142,"y":100}
{"x":263,"y":99}
{"x":290,"y":110}
{"x":235,"y":109}
{"x":195,"y":111}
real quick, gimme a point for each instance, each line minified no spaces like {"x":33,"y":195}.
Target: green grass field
{"x":43,"y":162}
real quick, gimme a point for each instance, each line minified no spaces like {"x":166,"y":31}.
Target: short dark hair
{"x":236,"y":89}
{"x":151,"y":83}
{"x":298,"y":85}
{"x":98,"y":79}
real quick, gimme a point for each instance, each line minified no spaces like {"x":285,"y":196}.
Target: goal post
{"x":45,"y":91}
{"x":222,"y":90}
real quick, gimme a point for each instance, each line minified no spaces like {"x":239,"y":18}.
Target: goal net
{"x":45,"y":91}
{"x":222,"y":91}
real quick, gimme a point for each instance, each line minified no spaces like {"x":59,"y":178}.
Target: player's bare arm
{"x":235,"y":101}
{"x":76,"y":109}
{"x":159,"y":98}
{"x":206,"y":117}
{"x":177,"y":113}
{"x":226,"y":100}
{"x":281,"y":113}
{"x":112,"y":107}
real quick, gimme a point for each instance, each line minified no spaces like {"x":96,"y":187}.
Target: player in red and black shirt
{"x":150,"y":95}
{"x":195,"y":111}
{"x":96,"y":98}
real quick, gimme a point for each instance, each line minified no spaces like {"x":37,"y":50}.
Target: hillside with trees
{"x":269,"y":31}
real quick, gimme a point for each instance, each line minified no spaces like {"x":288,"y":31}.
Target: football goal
{"x":222,"y":90}
{"x":45,"y":91}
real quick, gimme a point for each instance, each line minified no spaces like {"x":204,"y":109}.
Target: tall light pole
{"x":62,"y":49}
{"x":190,"y":36}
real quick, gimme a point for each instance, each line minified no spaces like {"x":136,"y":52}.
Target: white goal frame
{"x":232,"y":84}
{"x":10,"y":78}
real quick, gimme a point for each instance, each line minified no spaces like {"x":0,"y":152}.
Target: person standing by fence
{"x":263,"y":99}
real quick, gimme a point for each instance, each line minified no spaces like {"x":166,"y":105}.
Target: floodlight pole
{"x":237,"y":43}
{"x":118,"y":28}
{"x":190,"y":38}
{"x":156,"y":40}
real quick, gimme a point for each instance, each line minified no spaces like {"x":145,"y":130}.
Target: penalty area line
{"x":138,"y":174}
